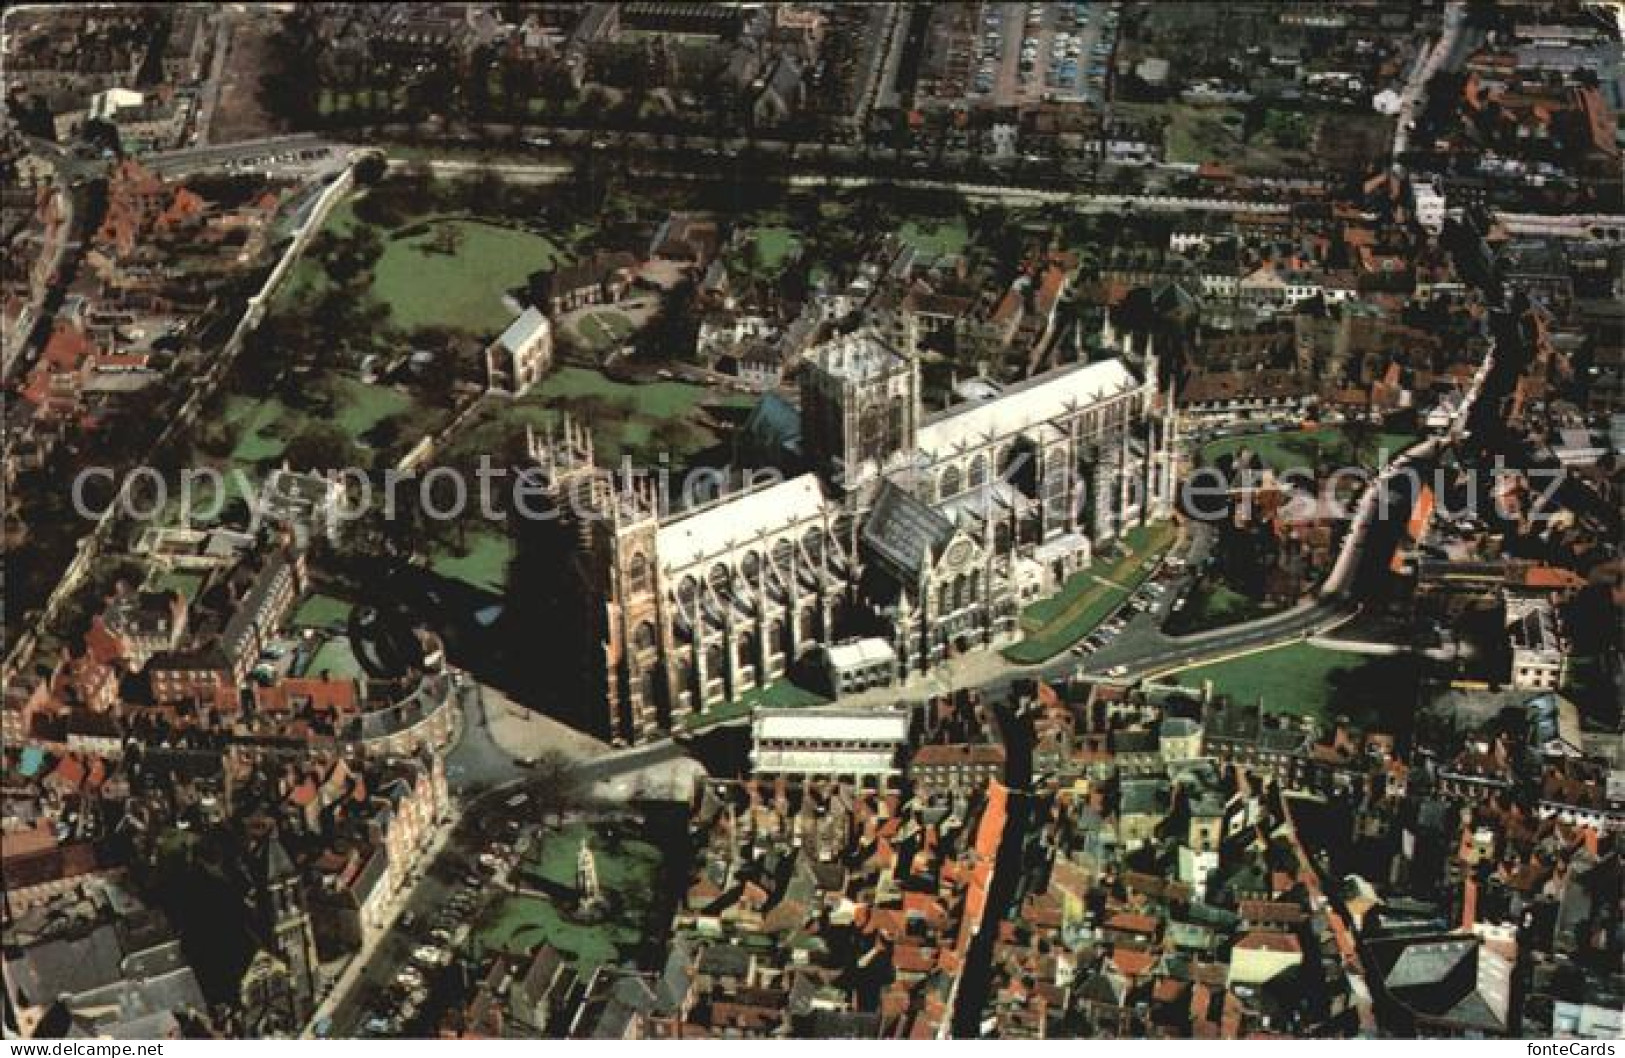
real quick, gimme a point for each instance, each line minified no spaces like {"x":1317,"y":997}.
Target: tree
{"x":370,"y":168}
{"x":556,"y":786}
{"x":291,"y":84}
{"x":322,"y":446}
{"x":347,"y":258}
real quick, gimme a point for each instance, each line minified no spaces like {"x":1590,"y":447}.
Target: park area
{"x":1372,"y":692}
{"x":543,"y":910}
{"x":1089,"y":596}
{"x":1328,"y":446}
{"x":455,"y":273}
{"x":265,"y":425}
{"x":936,"y":237}
{"x":480,"y":560}
{"x":644,"y":420}
{"x":434,"y":270}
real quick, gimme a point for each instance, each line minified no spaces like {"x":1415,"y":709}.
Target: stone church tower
{"x":278,"y":991}
{"x":615,"y":520}
{"x":860,"y":405}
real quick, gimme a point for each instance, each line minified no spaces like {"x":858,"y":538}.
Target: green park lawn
{"x":484,"y":563}
{"x":1305,"y":680}
{"x":939,"y":237}
{"x":424,"y":287}
{"x":604,"y":329}
{"x":267,"y":425}
{"x":627,"y":867}
{"x":775,"y":245}
{"x":1052,"y":624}
{"x":321,"y":611}
{"x":336,"y":658}
{"x":1301,"y":449}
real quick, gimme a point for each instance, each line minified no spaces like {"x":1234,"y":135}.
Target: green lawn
{"x":940,"y":237}
{"x":778,"y":695}
{"x":423,"y":287}
{"x":484,"y":565}
{"x":336,"y":658}
{"x":1304,"y":680}
{"x":604,"y":329}
{"x":1052,"y":624}
{"x":627,"y":868}
{"x":262,"y":424}
{"x":267,"y":425}
{"x":1301,"y":449}
{"x":775,"y":245}
{"x":186,"y":582}
{"x":321,"y":611}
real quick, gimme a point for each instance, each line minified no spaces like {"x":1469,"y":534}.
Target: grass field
{"x":321,"y":611}
{"x":424,"y":286}
{"x":464,"y":289}
{"x":779,"y":695}
{"x":775,"y":245}
{"x":267,"y":425}
{"x":1088,"y":597}
{"x":1300,"y":449}
{"x":1304,"y":680}
{"x":949,"y":236}
{"x":484,"y":566}
{"x":604,"y":329}
{"x":627,"y":869}
{"x":336,"y":658}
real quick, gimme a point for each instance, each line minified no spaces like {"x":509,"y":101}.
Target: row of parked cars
{"x":437,"y":938}
{"x":1146,"y":598}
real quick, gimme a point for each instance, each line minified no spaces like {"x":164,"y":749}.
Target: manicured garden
{"x":1089,"y":596}
{"x":627,"y":867}
{"x":604,"y":329}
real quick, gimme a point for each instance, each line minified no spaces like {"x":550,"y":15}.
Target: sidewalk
{"x":525,"y":733}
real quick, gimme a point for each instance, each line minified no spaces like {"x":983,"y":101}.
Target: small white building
{"x":521,"y":355}
{"x":859,"y":664}
{"x":1430,"y":206}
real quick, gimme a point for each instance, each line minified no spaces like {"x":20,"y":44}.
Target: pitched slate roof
{"x":905,"y":532}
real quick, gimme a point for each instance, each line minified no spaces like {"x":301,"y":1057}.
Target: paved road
{"x":1446,"y":53}
{"x":225,"y":23}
